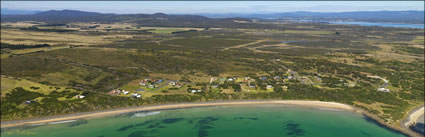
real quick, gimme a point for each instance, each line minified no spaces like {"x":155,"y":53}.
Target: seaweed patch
{"x":204,"y":124}
{"x":146,"y":123}
{"x":293,"y":129}
{"x":171,"y":120}
{"x":248,"y":118}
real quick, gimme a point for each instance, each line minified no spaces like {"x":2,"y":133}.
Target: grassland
{"x":206,"y":43}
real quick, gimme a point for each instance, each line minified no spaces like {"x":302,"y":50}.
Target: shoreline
{"x":314,"y":104}
{"x":412,"y":117}
{"x":301,"y":103}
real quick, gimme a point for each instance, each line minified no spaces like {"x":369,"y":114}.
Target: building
{"x":136,"y":95}
{"x":269,"y":87}
{"x":290,"y":77}
{"x":285,"y":88}
{"x":125,"y":92}
{"x":196,"y":91}
{"x":80,"y":96}
{"x":159,"y":81}
{"x":252,"y":85}
{"x":151,"y":86}
{"x":115,"y":91}
{"x":28,"y":102}
{"x":383,"y":89}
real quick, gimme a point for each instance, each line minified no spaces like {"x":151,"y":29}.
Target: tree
{"x":278,"y":89}
{"x":237,"y":87}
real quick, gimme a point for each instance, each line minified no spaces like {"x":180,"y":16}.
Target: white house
{"x":151,"y":86}
{"x":383,"y":89}
{"x":125,"y":92}
{"x":136,"y":95}
{"x":195,"y":90}
{"x":269,"y":86}
{"x":172,"y":83}
{"x":80,"y":96}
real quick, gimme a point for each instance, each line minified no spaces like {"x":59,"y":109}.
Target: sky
{"x":177,"y":7}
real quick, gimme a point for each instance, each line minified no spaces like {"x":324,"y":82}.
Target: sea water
{"x":220,"y":121}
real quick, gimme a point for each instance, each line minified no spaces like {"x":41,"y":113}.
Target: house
{"x":196,"y":90}
{"x":142,"y":84}
{"x":276,"y":77}
{"x":114,"y":92}
{"x":246,"y":79}
{"x":383,"y":89}
{"x":159,"y":81}
{"x":28,"y":102}
{"x":252,"y":85}
{"x":80,"y":96}
{"x":263,"y":78}
{"x":269,"y":86}
{"x":125,"y":92}
{"x":178,"y":86}
{"x":230,"y":79}
{"x":290,"y":77}
{"x":136,"y":95}
{"x":151,"y":86}
{"x":173,"y":84}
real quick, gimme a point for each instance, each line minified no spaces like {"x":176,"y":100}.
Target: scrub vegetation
{"x":45,"y":69}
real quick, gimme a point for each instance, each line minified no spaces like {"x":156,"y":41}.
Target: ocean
{"x":220,"y":121}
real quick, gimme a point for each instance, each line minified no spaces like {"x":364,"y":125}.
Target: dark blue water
{"x":395,"y":25}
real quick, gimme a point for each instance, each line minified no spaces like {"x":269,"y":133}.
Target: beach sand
{"x":414,"y":116}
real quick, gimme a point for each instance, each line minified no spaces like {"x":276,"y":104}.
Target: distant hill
{"x":157,"y":19}
{"x":212,"y":20}
{"x":372,"y":16}
{"x":6,"y":11}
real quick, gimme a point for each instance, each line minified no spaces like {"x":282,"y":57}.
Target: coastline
{"x":301,"y":103}
{"x":412,"y":117}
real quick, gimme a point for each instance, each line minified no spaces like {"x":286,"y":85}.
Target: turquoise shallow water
{"x":223,"y":121}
